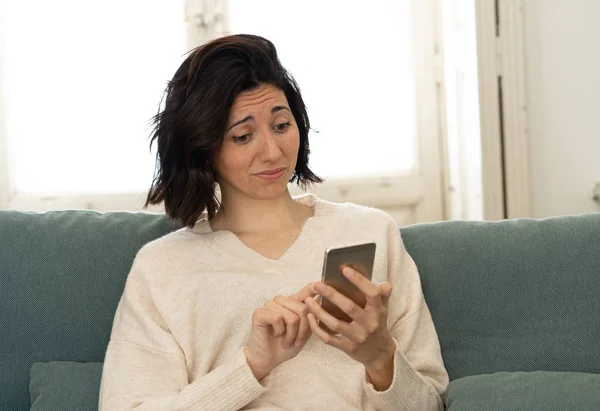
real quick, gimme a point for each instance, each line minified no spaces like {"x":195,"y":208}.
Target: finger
{"x":263,"y":317}
{"x":351,"y":331}
{"x":278,"y":326}
{"x":301,"y":311}
{"x":344,"y":303}
{"x":370,"y":290}
{"x":338,"y":341}
{"x":304,"y":293}
{"x":385,"y":289}
{"x":290,"y":320}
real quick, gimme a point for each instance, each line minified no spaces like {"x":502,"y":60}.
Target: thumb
{"x":386,"y":292}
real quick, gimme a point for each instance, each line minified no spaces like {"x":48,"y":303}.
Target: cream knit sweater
{"x":185,"y":316}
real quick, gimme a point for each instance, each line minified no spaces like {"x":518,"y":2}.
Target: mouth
{"x":271,"y":172}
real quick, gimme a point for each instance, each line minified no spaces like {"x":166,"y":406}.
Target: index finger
{"x":304,"y":293}
{"x":370,"y":290}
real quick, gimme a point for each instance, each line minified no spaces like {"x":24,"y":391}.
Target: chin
{"x":271,"y":192}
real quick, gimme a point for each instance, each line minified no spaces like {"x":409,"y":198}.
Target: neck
{"x":248,"y":215}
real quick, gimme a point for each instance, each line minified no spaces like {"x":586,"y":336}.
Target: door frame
{"x":503,"y":109}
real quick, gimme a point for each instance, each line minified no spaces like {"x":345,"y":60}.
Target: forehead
{"x":262,"y":98}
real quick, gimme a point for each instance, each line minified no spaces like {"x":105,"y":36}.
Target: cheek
{"x":232,"y":161}
{"x":293,"y":144}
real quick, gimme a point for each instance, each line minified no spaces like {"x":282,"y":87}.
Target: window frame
{"x":505,"y":138}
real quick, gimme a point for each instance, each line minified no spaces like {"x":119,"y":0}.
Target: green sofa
{"x":516,"y":305}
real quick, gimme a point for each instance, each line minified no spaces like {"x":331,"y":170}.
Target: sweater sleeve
{"x":145,"y":368}
{"x":420,"y":378}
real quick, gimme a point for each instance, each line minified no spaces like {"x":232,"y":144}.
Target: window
{"x":80,"y":85}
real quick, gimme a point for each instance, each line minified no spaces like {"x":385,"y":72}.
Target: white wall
{"x":562,"y":47}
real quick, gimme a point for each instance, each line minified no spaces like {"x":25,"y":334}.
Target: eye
{"x":283,"y":126}
{"x":241,"y":139}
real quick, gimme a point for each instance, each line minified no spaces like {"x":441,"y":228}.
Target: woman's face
{"x":261,"y":136}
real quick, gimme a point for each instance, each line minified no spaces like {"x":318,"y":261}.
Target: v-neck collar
{"x":231,"y":244}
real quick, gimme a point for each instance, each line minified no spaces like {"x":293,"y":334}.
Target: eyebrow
{"x":248,"y":118}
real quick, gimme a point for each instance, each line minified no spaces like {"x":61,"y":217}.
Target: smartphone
{"x":361,"y":258}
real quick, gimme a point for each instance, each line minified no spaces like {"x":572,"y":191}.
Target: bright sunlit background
{"x":81,"y":87}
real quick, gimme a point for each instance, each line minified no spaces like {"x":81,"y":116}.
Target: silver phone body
{"x":360,"y":257}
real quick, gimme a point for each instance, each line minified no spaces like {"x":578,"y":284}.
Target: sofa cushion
{"x":63,"y":385}
{"x":515,"y":295}
{"x":531,"y":391}
{"x":61,"y":276}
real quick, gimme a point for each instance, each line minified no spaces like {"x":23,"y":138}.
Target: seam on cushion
{"x":149,"y":348}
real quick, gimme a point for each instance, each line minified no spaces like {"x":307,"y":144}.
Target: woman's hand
{"x":280,"y":330}
{"x":366,"y":339}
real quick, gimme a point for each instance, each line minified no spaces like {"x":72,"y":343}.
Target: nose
{"x":269,"y":150}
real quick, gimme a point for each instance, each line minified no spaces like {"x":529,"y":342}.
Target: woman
{"x":221,"y":315}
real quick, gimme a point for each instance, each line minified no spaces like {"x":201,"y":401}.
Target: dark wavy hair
{"x":189,"y":129}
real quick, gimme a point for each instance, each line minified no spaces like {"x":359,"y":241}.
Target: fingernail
{"x":299,"y":343}
{"x":309,"y":302}
{"x":320,"y":287}
{"x":347,"y":271}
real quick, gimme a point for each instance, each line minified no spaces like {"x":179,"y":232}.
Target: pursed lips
{"x":271,"y":172}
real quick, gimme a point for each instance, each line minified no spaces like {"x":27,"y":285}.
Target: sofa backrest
{"x":515,"y":295}
{"x":61,"y":277}
{"x":504,"y":296}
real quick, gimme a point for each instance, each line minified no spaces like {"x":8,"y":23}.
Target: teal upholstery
{"x":65,"y":386}
{"x":61,"y":276}
{"x":525,"y":391}
{"x":520,"y":295}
